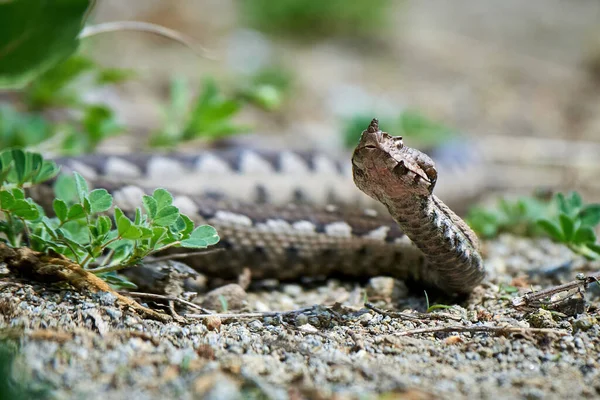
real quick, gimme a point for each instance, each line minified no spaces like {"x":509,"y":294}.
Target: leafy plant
{"x":517,"y":216}
{"x":22,"y":129}
{"x":317,"y":18}
{"x":80,"y":230}
{"x":80,"y":125}
{"x":267,"y":88}
{"x":565,"y":219}
{"x":574,"y":225}
{"x":36,"y":35}
{"x":210,"y":115}
{"x":61,"y":85}
{"x":421,"y":130}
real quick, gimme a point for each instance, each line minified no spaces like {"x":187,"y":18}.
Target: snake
{"x":292,"y":215}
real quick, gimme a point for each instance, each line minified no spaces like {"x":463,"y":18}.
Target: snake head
{"x":383,"y":167}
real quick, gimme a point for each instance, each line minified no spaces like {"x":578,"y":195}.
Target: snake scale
{"x":274,"y":221}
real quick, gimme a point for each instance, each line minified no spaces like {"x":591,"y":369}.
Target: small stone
{"x":301,"y":319}
{"x":292,"y":290}
{"x":213,"y":323}
{"x":105,"y":298}
{"x":113,"y":313}
{"x":583,"y":323}
{"x":453,"y":340}
{"x":271,"y":321}
{"x":228,"y":297}
{"x":307,"y":328}
{"x":255,"y":326}
{"x":366,"y":318}
{"x":387,"y":288}
{"x":541,"y":319}
{"x":259,"y":306}
{"x":205,"y":351}
{"x":486,"y":352}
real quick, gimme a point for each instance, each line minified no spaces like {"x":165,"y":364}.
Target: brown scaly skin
{"x":403,"y":180}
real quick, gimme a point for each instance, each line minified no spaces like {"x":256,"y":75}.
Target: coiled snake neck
{"x":403,"y":179}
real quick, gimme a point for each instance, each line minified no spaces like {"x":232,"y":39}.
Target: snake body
{"x":289,"y":234}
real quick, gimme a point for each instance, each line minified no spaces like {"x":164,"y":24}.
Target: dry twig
{"x":534,"y":298}
{"x":153,"y":296}
{"x":498,"y":330}
{"x":414,"y":317}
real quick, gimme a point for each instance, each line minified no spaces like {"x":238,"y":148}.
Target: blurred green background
{"x":311,"y":73}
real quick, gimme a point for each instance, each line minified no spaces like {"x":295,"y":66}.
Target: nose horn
{"x":373,"y":126}
{"x":371,"y":137}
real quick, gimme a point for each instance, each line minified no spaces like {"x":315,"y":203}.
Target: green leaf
{"x":81,"y":186}
{"x":76,"y":211}
{"x":20,"y":164}
{"x":188,"y":226}
{"x":25,"y":210}
{"x":80,"y":249}
{"x":35,"y":35}
{"x":575,"y":200}
{"x":567,"y":225}
{"x":158,"y":233}
{"x":166,"y":216}
{"x":7,"y":200}
{"x":589,"y":215}
{"x":50,"y":226}
{"x":65,"y":188}
{"x":138,"y":216}
{"x":147,"y":233}
{"x":178,"y":225}
{"x":163,"y":198}
{"x":48,"y":170}
{"x":563,"y":206}
{"x":87,"y":206}
{"x":103,"y":225}
{"x":18,"y":193}
{"x":54,"y":88}
{"x":123,"y":224}
{"x":202,"y":237}
{"x":127,"y":230}
{"x":100,"y":200}
{"x":117,"y":281}
{"x":595,"y":247}
{"x":118,"y":213}
{"x":208,"y":96}
{"x":108,"y":76}
{"x":552,"y":229}
{"x":99,"y":122}
{"x":151,"y":205}
{"x":60,"y":209}
{"x":122,"y":250}
{"x":584,"y":235}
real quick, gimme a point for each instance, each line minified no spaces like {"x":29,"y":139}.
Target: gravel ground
{"x":324,"y":343}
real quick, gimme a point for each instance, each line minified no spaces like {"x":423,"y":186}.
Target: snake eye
{"x":399,"y":142}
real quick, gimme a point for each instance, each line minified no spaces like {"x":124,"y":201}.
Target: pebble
{"x":142,"y":358}
{"x":541,"y":319}
{"x":387,"y":288}
{"x":213,"y":323}
{"x":301,"y":319}
{"x":293,"y":290}
{"x":255,"y":326}
{"x":232,"y":296}
{"x":584,"y":323}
